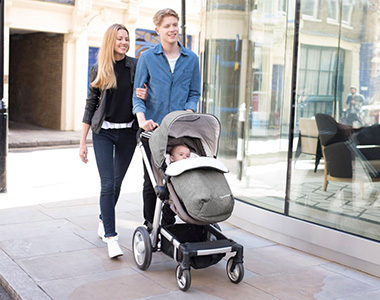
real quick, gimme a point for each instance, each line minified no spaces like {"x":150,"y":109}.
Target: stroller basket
{"x":193,"y":237}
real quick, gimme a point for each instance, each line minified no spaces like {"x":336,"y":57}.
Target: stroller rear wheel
{"x":236,"y":275}
{"x":183,"y":278}
{"x":142,"y":248}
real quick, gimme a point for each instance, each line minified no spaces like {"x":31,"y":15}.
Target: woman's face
{"x":121,"y":44}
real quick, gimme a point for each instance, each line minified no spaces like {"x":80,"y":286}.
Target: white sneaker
{"x":101,"y":232}
{"x":114,"y":249}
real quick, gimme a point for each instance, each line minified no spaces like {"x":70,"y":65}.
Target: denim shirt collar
{"x":159,"y":50}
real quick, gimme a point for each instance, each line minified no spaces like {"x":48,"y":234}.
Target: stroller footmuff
{"x":197,"y":192}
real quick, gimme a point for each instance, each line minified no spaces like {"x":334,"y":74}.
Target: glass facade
{"x":296,"y":86}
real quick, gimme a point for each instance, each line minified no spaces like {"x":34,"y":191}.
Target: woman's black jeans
{"x":114,"y":150}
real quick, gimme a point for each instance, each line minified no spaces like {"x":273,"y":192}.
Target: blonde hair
{"x":161,"y":14}
{"x":105,"y":78}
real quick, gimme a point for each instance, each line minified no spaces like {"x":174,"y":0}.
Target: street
{"x":47,"y":175}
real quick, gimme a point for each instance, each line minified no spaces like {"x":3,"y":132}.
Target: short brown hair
{"x":161,"y":14}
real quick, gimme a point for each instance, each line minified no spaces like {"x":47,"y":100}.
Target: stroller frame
{"x":176,"y":241}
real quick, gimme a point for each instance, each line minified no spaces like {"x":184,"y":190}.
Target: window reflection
{"x":310,"y":8}
{"x":333,"y":10}
{"x":347,"y":9}
{"x":338,"y":90}
{"x":248,"y":56}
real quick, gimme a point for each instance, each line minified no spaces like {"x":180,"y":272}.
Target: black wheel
{"x":183,"y":278}
{"x":236,"y":275}
{"x":142,"y":248}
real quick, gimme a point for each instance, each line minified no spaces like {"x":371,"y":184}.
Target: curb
{"x":36,"y":144}
{"x":17,"y":283}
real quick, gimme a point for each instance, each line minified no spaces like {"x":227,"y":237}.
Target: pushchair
{"x":197,"y":192}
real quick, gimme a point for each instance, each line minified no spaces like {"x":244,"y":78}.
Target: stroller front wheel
{"x":183,"y":278}
{"x":142,"y":248}
{"x":236,"y":275}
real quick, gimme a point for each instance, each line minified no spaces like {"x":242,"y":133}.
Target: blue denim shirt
{"x":167,"y":91}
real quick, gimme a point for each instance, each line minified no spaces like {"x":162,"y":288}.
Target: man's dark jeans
{"x":114,"y":150}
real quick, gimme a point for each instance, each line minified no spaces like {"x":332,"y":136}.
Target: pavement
{"x":49,"y":248}
{"x":23,"y":135}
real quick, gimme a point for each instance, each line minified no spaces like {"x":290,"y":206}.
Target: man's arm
{"x":195,"y":87}
{"x":141,"y":77}
{"x":139,"y":108}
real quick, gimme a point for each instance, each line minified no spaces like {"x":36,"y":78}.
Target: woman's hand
{"x":142,"y":93}
{"x":83,"y":153}
{"x":148,"y":125}
{"x":82,"y":145}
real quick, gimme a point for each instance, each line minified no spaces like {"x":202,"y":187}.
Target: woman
{"x":108,"y":112}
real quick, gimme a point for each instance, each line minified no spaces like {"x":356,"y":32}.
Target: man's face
{"x":353,"y":90}
{"x":168,"y":30}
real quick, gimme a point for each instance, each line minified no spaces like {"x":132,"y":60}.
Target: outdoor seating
{"x":342,"y":146}
{"x":308,"y":141}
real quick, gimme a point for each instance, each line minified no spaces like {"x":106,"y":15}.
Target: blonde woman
{"x":108,"y":112}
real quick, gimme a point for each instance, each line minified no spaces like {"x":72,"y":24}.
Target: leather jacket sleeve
{"x":92,"y":101}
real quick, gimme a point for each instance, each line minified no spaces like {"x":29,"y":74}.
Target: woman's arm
{"x":82,"y":146}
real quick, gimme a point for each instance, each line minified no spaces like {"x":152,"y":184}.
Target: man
{"x":354,"y":100}
{"x":354,"y":103}
{"x":171,"y":74}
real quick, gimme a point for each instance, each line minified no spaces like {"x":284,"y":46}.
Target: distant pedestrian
{"x":354,"y":104}
{"x":171,"y":73}
{"x":108,"y":112}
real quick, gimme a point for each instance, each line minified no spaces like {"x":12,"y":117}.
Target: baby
{"x":179,"y":152}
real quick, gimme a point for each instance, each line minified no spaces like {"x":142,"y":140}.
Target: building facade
{"x":49,"y":46}
{"x":269,"y":67}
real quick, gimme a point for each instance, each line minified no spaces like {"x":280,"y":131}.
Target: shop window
{"x":282,"y":6}
{"x":92,"y":59}
{"x":226,"y":5}
{"x":333,"y":10}
{"x":347,"y":8}
{"x":316,"y":80}
{"x":71,"y":2}
{"x":273,"y":7}
{"x":310,"y":8}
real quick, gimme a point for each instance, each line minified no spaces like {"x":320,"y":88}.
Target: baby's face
{"x":180,"y":152}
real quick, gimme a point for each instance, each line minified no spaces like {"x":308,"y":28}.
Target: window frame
{"x":315,"y":11}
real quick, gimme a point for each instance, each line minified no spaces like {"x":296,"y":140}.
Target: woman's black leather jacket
{"x":94,"y":111}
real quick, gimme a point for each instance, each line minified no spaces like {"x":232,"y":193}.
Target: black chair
{"x":308,"y":141}
{"x":340,"y":150}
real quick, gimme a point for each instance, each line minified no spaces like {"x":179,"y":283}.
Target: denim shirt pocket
{"x":184,"y":79}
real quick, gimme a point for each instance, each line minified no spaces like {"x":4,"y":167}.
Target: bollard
{"x":3,"y":146}
{"x":240,"y":143}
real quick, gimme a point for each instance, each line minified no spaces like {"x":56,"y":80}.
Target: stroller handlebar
{"x":138,"y":134}
{"x":142,"y":133}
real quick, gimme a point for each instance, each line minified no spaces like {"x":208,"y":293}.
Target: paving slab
{"x":17,"y":282}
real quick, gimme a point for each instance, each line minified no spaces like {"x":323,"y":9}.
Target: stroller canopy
{"x":177,"y":124}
